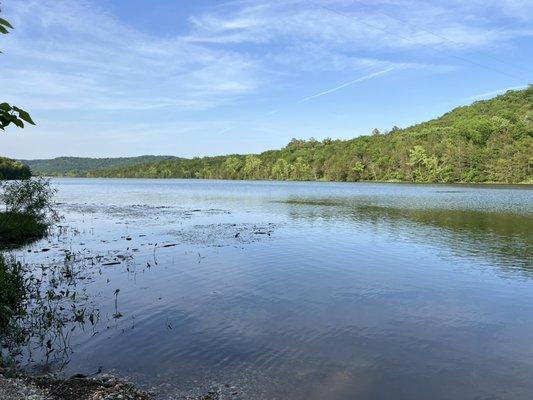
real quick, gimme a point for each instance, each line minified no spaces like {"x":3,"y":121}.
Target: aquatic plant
{"x":40,"y":309}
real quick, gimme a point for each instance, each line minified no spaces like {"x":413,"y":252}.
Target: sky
{"x":108,"y":78}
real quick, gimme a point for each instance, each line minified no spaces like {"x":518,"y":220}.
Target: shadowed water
{"x":303,"y":290}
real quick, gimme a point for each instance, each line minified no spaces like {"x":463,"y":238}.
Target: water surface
{"x":271,"y":290}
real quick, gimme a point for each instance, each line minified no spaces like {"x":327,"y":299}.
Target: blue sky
{"x":120,"y":78}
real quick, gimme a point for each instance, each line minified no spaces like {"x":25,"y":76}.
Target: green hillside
{"x":77,"y":166}
{"x":488,"y":141}
{"x":11,"y":169}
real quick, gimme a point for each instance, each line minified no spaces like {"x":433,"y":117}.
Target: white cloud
{"x":77,"y":56}
{"x":355,"y":24}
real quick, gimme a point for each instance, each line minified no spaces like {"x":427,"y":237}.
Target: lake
{"x":289,"y":290}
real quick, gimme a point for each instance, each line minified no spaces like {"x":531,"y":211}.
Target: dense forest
{"x":78,"y":166}
{"x":11,"y":169}
{"x":488,"y":141}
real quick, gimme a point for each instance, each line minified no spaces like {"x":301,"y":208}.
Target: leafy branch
{"x":4,"y":26}
{"x":11,"y":114}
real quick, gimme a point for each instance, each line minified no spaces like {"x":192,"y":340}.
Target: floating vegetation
{"x":225,"y":234}
{"x":139,"y":210}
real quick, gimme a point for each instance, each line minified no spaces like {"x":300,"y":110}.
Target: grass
{"x":17,"y":229}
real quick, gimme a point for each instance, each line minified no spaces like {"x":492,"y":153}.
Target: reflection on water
{"x":468,"y":233}
{"x":303,"y":290}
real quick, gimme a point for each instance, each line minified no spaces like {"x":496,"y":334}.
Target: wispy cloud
{"x":358,"y":24}
{"x":77,"y":57}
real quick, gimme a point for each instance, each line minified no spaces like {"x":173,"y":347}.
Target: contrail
{"x":361,"y":79}
{"x":229,"y":128}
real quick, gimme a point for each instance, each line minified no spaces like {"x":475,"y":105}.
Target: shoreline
{"x":105,"y":386}
{"x":502,"y":184}
{"x":77,"y":387}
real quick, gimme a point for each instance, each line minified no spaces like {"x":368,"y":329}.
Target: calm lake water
{"x":303,"y":290}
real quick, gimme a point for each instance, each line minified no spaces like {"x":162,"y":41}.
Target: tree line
{"x":76,"y":166}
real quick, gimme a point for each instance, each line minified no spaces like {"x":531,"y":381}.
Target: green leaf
{"x":3,"y":119}
{"x":18,"y":122}
{"x":25,"y":116}
{"x":3,"y":30}
{"x":4,"y":22}
{"x":5,"y":107}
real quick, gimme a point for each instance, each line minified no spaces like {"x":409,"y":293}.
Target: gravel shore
{"x":105,"y":387}
{"x":19,"y":389}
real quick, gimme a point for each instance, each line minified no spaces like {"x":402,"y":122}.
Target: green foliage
{"x":5,"y":26}
{"x":488,"y":141}
{"x":17,"y":229}
{"x":281,"y":170}
{"x":301,"y":170}
{"x":29,"y":211}
{"x":13,"y":115}
{"x":358,"y":170}
{"x":232,"y":167}
{"x":11,"y":169}
{"x":426,"y":168}
{"x":252,"y":167}
{"x":31,"y":197}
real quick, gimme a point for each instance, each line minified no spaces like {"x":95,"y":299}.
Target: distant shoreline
{"x":294,"y":181}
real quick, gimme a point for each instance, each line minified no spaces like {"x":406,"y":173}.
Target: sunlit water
{"x":270,"y":290}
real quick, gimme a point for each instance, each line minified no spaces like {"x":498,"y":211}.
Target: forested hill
{"x":77,"y":166}
{"x":488,"y":141}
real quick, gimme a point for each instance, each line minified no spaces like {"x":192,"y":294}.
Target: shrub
{"x":29,"y":210}
{"x":18,"y":229}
